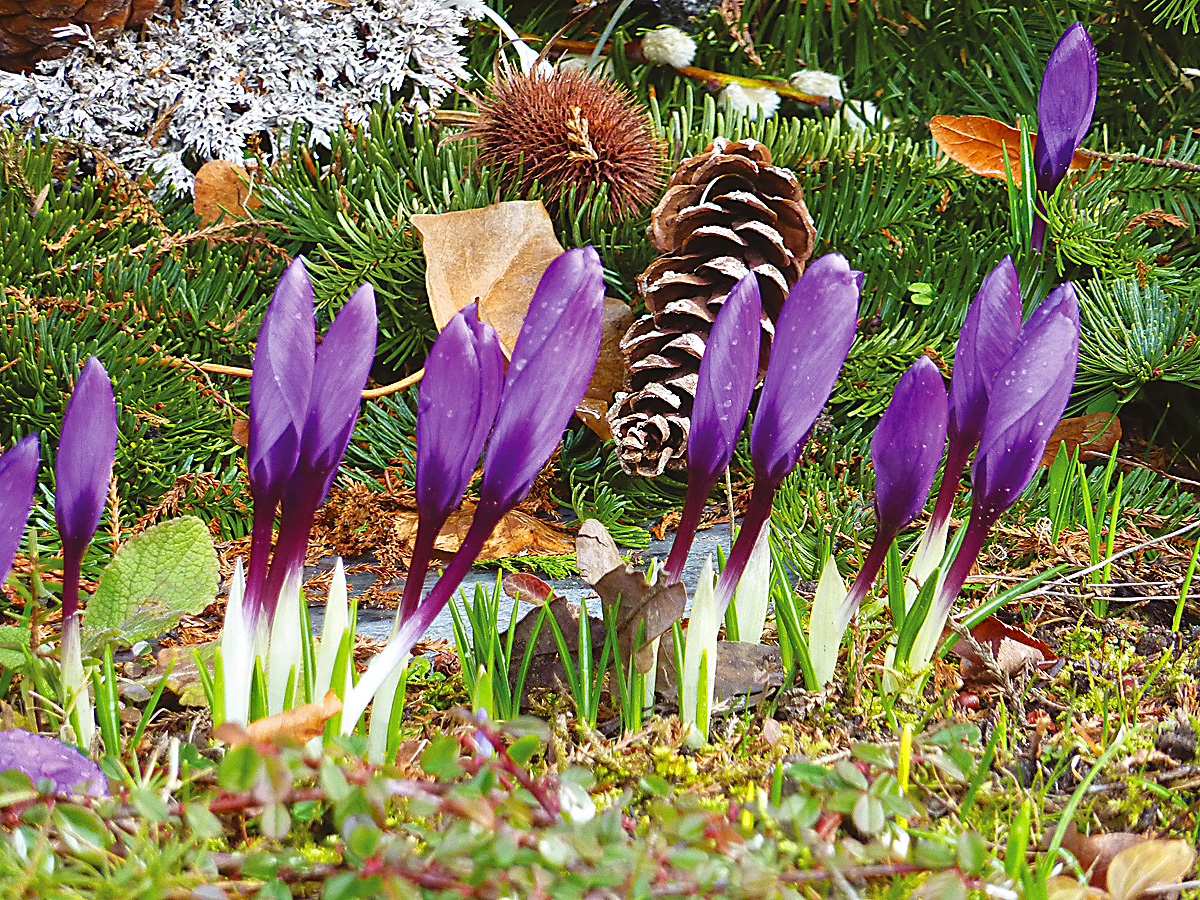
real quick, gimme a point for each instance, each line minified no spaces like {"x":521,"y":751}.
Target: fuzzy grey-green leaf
{"x":163,"y":574}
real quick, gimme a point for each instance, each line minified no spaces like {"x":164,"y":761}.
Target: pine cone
{"x":27,"y":27}
{"x":726,"y":212}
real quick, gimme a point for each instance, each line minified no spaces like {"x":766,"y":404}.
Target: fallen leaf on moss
{"x":980,"y":143}
{"x":1010,"y":647}
{"x":299,"y":725}
{"x":223,"y":187}
{"x":1095,"y":852}
{"x":1151,"y":864}
{"x":1094,"y":432}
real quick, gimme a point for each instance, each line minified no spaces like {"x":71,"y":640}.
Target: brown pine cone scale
{"x":726,"y":212}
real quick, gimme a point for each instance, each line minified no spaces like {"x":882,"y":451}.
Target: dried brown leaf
{"x":517,"y":534}
{"x":657,"y":605}
{"x":980,"y":143}
{"x":1094,"y":433}
{"x":299,"y":725}
{"x":1010,"y":647}
{"x":223,"y":187}
{"x":1154,"y":863}
{"x":495,"y":255}
{"x":1096,"y":852}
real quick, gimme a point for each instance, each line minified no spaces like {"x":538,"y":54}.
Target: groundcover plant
{"x":649,"y":324}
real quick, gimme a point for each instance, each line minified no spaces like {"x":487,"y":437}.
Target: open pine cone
{"x":27,"y":27}
{"x":726,"y":212}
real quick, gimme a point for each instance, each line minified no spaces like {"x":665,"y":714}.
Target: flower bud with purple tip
{"x":18,"y":478}
{"x":728,"y":372}
{"x":1066,"y":102}
{"x":1025,"y":404}
{"x":456,"y":408}
{"x":812,"y":337}
{"x":83,"y":468}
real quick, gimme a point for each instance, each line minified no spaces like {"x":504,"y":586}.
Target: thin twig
{"x":1137,"y":158}
{"x":178,"y":362}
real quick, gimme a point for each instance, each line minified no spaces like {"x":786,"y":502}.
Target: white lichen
{"x":669,"y":46}
{"x":202,"y":87}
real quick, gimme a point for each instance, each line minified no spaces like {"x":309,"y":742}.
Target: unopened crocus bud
{"x":82,"y":471}
{"x":551,"y":366}
{"x":456,"y":408}
{"x":1066,"y":102}
{"x":812,"y":337}
{"x":18,"y":478}
{"x":724,"y":386}
{"x":1025,"y":404}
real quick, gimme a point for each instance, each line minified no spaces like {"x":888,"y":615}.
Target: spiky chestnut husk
{"x":569,"y":129}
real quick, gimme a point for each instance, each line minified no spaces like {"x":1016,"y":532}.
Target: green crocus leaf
{"x":166,"y":572}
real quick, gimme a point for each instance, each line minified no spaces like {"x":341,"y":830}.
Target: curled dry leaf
{"x":1011,"y":648}
{"x":1094,"y":433}
{"x":299,"y":725}
{"x":980,"y":143}
{"x":223,"y":187}
{"x":497,"y":255}
{"x":526,"y":587}
{"x":1095,"y":852}
{"x":657,"y":605}
{"x":517,"y":534}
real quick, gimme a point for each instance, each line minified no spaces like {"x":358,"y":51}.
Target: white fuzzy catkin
{"x":754,"y":102}
{"x":197,"y":89}
{"x":669,"y":46}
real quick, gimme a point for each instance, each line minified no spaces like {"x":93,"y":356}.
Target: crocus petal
{"x":18,"y":478}
{"x":987,"y":338}
{"x":551,"y":366}
{"x":1027,"y":401}
{"x":456,"y":408}
{"x":343,"y":362}
{"x":1066,"y":102}
{"x":86,"y":449}
{"x":907,"y":445}
{"x":812,"y":337}
{"x":728,"y":372}
{"x":282,"y":381}
{"x":725,"y":384}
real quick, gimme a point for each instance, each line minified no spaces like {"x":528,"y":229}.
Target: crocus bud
{"x":1066,"y":103}
{"x":551,"y":366}
{"x":18,"y":478}
{"x":812,"y":337}
{"x":724,"y":386}
{"x":280,"y":388}
{"x":907,"y":446}
{"x":456,"y":408}
{"x":989,"y":332}
{"x":1025,"y":404}
{"x":82,"y":471}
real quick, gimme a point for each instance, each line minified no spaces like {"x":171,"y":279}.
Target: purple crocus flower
{"x":339,"y":374}
{"x":905,"y":450}
{"x":1025,"y":404}
{"x":988,"y":334}
{"x":550,"y":368}
{"x":1066,"y":102}
{"x":728,"y":372}
{"x":279,"y":399}
{"x":456,"y":408}
{"x":812,"y":337}
{"x":83,"y":468}
{"x":41,"y":756}
{"x":18,"y":478}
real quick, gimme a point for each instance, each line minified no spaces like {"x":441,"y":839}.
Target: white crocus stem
{"x":333,"y":633}
{"x":390,"y":659}
{"x":701,"y":640}
{"x":381,"y":716}
{"x":237,"y":651}
{"x":827,"y":623}
{"x":76,"y":700}
{"x":930,"y":550}
{"x":283,"y":649}
{"x":527,"y":56}
{"x":754,"y":590}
